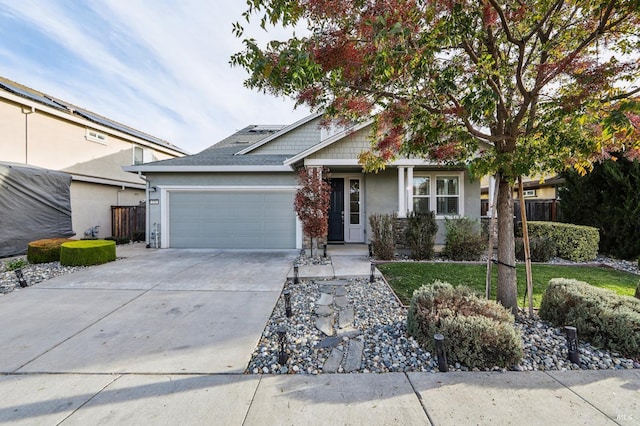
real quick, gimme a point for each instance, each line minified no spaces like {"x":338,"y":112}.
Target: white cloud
{"x":161,"y":67}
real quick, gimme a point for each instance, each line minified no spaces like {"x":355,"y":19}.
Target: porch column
{"x":402,"y":209}
{"x":409,"y":189}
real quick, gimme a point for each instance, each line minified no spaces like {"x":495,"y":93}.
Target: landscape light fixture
{"x":372,"y":277}
{"x":325,"y":251}
{"x":287,"y":302}
{"x":370,"y":251}
{"x":296,"y":278}
{"x":572,"y":344}
{"x":21,"y":280}
{"x":282,"y":340}
{"x":440,"y":353}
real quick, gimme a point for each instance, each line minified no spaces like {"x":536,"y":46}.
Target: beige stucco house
{"x":40,"y":130}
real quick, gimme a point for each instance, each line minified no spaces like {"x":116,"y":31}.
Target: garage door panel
{"x":232,"y":220}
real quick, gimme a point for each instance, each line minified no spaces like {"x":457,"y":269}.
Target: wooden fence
{"x":128,"y":222}
{"x":537,"y":210}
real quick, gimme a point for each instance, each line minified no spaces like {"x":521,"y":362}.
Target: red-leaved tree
{"x":508,"y":87}
{"x":312,"y":202}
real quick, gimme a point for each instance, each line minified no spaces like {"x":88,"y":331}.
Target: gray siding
{"x":349,"y":147}
{"x":293,"y":142}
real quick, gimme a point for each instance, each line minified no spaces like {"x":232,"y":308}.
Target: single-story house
{"x":239,"y":193}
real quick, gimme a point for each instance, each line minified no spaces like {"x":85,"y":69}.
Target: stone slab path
{"x":335,"y":318}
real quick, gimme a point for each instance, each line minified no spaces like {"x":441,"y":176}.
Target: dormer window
{"x":95,"y":136}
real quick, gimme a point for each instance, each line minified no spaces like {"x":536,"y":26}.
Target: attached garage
{"x":232,"y":218}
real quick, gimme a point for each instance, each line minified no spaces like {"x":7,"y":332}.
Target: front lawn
{"x":405,"y":277}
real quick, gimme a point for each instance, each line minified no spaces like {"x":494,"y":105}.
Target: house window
{"x":447,"y":195}
{"x":529,"y":193}
{"x":439,"y":193}
{"x":354,"y":201}
{"x":421,"y":194}
{"x":95,"y":136}
{"x":142,"y":155}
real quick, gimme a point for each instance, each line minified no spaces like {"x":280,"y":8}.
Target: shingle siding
{"x":293,"y":142}
{"x":350,"y":147}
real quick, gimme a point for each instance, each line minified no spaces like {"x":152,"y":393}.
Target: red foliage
{"x":312,"y":201}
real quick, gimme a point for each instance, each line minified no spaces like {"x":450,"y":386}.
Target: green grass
{"x":405,"y":277}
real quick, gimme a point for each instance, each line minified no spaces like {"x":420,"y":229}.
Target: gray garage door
{"x":246,"y":220}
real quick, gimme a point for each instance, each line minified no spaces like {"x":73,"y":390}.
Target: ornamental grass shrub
{"x":464,"y":239}
{"x":601,"y":316}
{"x":383,"y":235}
{"x":478,"y":332}
{"x":87,"y":252}
{"x":421,"y":234}
{"x":46,"y":250}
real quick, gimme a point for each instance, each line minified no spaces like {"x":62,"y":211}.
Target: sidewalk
{"x":178,"y":397}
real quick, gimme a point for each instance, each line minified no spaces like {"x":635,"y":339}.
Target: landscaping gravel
{"x":33,"y":273}
{"x":380,"y":326}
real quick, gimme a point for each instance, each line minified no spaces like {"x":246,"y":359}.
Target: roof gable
{"x":282,"y":136}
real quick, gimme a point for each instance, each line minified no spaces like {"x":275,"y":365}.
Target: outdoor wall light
{"x":440,"y":353}
{"x":23,"y":283}
{"x":372,"y":277}
{"x":296,"y":278}
{"x":287,"y":302}
{"x":572,"y":343}
{"x":282,"y":340}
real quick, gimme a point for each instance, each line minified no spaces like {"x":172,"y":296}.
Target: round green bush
{"x":478,"y":332}
{"x":87,"y":252}
{"x":45,"y":251}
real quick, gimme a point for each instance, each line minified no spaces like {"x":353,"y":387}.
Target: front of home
{"x":239,"y":193}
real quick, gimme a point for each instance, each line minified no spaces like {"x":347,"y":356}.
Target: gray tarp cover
{"x":35,"y":203}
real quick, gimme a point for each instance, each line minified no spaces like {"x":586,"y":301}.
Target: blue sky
{"x":160,"y":66}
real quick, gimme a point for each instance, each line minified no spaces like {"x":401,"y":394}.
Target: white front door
{"x":354,"y":210}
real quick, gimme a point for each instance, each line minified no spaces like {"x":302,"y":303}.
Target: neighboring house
{"x":40,"y":130}
{"x":539,"y":192}
{"x":239,"y":193}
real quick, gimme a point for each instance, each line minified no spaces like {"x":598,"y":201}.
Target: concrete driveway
{"x":165,"y":312}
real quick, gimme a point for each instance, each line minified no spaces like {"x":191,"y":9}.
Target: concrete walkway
{"x":162,"y":337}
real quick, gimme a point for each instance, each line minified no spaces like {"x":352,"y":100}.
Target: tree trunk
{"x":507,"y":291}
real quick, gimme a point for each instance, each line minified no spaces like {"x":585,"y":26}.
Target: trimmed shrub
{"x":383,"y":235}
{"x":601,"y":316}
{"x":478,"y":332}
{"x":87,"y":252}
{"x":45,"y":251}
{"x":541,"y":249}
{"x":464,"y":240}
{"x":421,"y":234}
{"x":573,"y":242}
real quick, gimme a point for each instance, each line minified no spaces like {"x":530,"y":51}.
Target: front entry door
{"x":336,"y":211}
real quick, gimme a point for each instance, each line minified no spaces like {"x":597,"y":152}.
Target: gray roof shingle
{"x":223,"y":152}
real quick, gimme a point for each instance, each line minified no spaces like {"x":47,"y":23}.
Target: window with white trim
{"x":142,"y":155}
{"x":448,"y":195}
{"x":95,"y":136}
{"x":421,"y":194}
{"x":437,"y":192}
